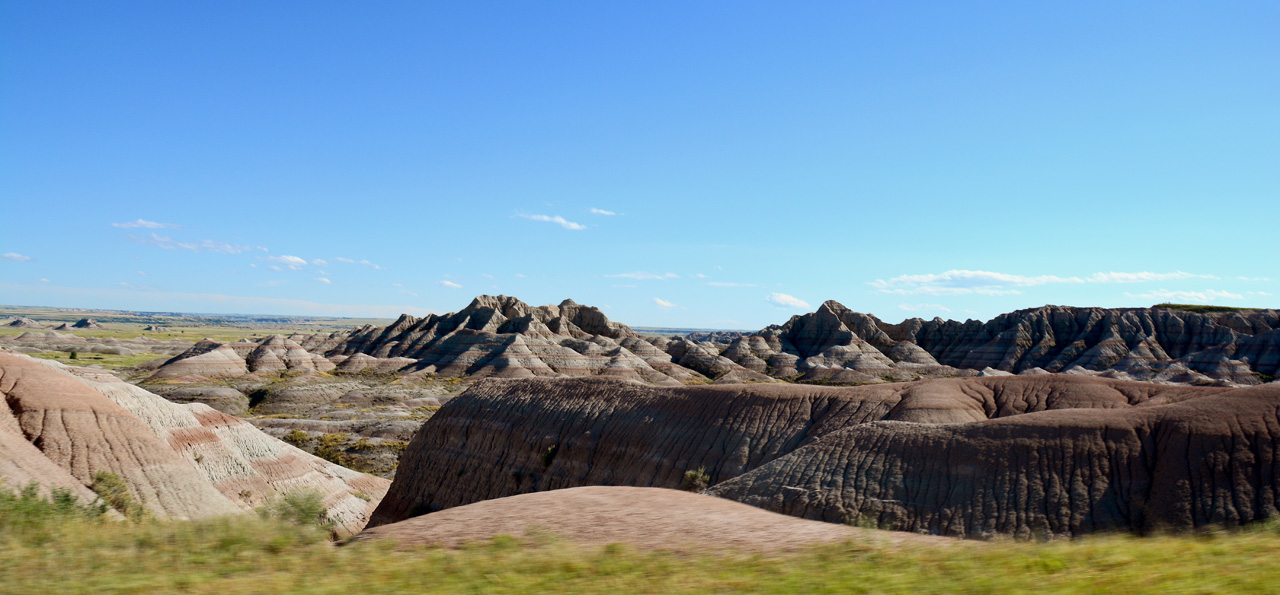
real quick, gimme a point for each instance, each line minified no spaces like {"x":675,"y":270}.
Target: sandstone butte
{"x":61,"y":425}
{"x":503,"y":337}
{"x":1023,"y":456}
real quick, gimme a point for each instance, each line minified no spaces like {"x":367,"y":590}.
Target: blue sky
{"x":720,"y":165}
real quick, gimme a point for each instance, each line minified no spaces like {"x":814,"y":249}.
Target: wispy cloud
{"x":644,"y":276}
{"x":43,"y":280}
{"x":664,"y":304}
{"x":1253,"y":278}
{"x":362,"y":262}
{"x":1201,"y":297}
{"x":965,"y":282}
{"x":561,"y":221}
{"x":1143,"y":277}
{"x":783,"y":300}
{"x":324,"y":280}
{"x":450,"y":284}
{"x":728,"y":284}
{"x":1261,"y":293}
{"x":320,"y":262}
{"x":14,"y":257}
{"x":169,"y":243}
{"x":595,"y":211}
{"x":144,"y":224}
{"x":293,"y":262}
{"x":923,"y":308}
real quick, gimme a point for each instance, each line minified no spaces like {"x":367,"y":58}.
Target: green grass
{"x":105,"y":360}
{"x":64,"y":548}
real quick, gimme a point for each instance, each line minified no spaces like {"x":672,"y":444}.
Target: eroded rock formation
{"x":180,"y":461}
{"x":1016,"y":455}
{"x":505,"y":338}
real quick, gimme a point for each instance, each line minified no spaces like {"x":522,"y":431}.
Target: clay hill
{"x":644,"y":518}
{"x":61,"y":425}
{"x":87,"y":323}
{"x":505,"y":338}
{"x":23,"y":322}
{"x":1023,"y":456}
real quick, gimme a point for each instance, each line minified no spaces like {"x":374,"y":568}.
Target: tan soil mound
{"x":644,"y":518}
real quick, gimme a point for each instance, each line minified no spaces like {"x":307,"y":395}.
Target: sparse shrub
{"x":696,"y":480}
{"x":303,"y":507}
{"x":115,"y":493}
{"x":550,"y":455}
{"x":74,"y":355}
{"x":297,"y":438}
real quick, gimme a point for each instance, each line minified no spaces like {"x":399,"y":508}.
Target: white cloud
{"x":786,"y":301}
{"x":320,"y":262}
{"x":486,"y":275}
{"x":143,"y":223}
{"x":275,"y":268}
{"x":324,"y":280}
{"x":1143,"y":277}
{"x":728,"y":284}
{"x":1202,"y":297}
{"x":43,"y":280}
{"x":292,"y":262}
{"x":169,"y":243}
{"x":965,"y":282}
{"x":14,"y":256}
{"x":450,"y":284}
{"x":664,"y":304}
{"x":923,"y":308}
{"x":1261,"y":293}
{"x":556,"y":219}
{"x":602,"y":212}
{"x":936,"y":291}
{"x":362,"y":262}
{"x":644,"y":276}
{"x":1253,"y":278}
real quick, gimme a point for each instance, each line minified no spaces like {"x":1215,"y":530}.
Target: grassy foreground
{"x":58,"y":548}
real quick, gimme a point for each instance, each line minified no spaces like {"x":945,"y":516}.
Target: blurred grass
{"x":252,"y":554}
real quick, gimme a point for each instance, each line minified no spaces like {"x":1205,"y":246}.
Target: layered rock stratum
{"x":500,"y":336}
{"x":60,"y":425}
{"x":1036,"y":455}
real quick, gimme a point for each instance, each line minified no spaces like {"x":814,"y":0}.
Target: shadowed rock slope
{"x":179,"y":461}
{"x":1026,"y":455}
{"x":500,"y":336}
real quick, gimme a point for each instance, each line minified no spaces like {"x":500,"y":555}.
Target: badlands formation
{"x":60,"y":425}
{"x":1023,"y":456}
{"x":503,"y":337}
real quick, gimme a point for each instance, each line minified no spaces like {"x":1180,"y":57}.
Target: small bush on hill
{"x":696,"y":480}
{"x":115,"y":493}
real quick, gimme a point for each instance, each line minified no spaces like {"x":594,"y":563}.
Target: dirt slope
{"x":644,"y":518}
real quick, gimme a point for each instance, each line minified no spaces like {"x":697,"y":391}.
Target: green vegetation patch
{"x":65,"y":548}
{"x":105,"y":360}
